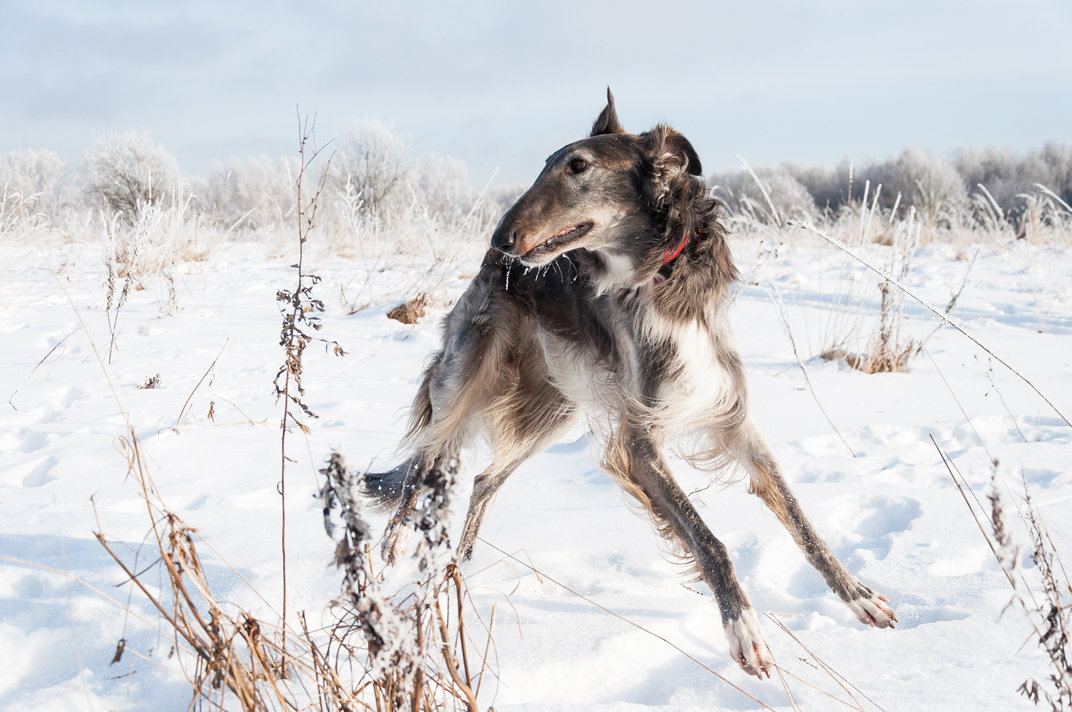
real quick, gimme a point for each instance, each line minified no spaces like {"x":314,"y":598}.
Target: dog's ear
{"x":607,"y":123}
{"x":671,"y":153}
{"x":673,"y":160}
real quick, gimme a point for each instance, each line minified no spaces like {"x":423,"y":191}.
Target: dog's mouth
{"x":554,"y":244}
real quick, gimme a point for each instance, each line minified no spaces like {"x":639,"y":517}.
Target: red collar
{"x":669,"y":256}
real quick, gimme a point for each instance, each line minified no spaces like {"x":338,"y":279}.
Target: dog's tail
{"x":386,"y":489}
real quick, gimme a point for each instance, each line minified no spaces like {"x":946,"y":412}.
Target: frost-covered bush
{"x":1057,"y":157}
{"x":125,"y":171}
{"x":998,"y":172}
{"x":253,"y":194}
{"x":1007,"y":178}
{"x":924,"y":181}
{"x":31,"y":186}
{"x":933,"y":185}
{"x":374,"y":165}
{"x":442,"y":185}
{"x":771,"y":196}
{"x":829,"y":188}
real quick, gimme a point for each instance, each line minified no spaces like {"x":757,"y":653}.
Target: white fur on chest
{"x":579,"y":375}
{"x":699,"y":387}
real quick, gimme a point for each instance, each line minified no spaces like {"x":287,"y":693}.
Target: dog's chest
{"x":583,"y":376}
{"x":695,"y":384}
{"x":675,"y":368}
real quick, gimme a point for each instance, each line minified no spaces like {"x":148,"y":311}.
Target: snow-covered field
{"x":888,"y":508}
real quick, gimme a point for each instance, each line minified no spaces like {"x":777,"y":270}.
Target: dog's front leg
{"x":638,"y":465}
{"x":770,"y":486}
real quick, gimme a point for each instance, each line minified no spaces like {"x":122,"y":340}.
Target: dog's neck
{"x":610,"y":269}
{"x":616,"y":271}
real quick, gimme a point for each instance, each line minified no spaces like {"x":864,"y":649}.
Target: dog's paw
{"x":395,"y":542}
{"x":747,"y":645}
{"x":872,"y":610}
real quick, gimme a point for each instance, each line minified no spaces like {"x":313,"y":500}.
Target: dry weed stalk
{"x":299,"y":306}
{"x":299,"y":309}
{"x":417,"y":654}
{"x":412,"y":655}
{"x":141,"y":248}
{"x":777,"y":297}
{"x":944,"y":317}
{"x":1050,"y":612}
{"x":19,"y":210}
{"x":1047,"y":603}
{"x":1046,"y":217}
{"x":122,"y":263}
{"x":889,"y":352}
{"x":855,"y":694}
{"x":400,"y":660}
{"x":853,"y":702}
{"x":233,"y":655}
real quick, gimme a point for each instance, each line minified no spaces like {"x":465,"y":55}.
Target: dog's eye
{"x":578,"y":165}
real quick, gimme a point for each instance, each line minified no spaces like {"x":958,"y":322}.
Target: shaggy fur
{"x":604,"y":296}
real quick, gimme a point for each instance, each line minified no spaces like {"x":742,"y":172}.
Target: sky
{"x":502,"y":85}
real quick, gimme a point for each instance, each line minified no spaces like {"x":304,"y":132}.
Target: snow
{"x":889,"y":509}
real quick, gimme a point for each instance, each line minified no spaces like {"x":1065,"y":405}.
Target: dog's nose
{"x":505,"y":240}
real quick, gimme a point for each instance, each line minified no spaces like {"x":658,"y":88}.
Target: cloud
{"x":500,"y":84}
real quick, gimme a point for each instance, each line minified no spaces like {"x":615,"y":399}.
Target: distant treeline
{"x":373,"y":174}
{"x":991,"y":181}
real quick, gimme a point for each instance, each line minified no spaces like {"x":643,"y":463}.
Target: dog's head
{"x":593,"y":191}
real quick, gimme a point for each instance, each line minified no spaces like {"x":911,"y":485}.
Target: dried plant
{"x":151,"y":382}
{"x":411,"y":651}
{"x":299,"y":309}
{"x":1046,"y":600}
{"x":144,"y":250}
{"x":19,"y":212}
{"x":945,"y":318}
{"x":410,"y":655}
{"x":415,"y":661}
{"x":233,"y":654}
{"x":410,"y":312}
{"x":1049,"y":610}
{"x":32,"y":187}
{"x":890,"y":352}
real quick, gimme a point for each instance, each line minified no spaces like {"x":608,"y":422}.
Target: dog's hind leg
{"x":485,"y":487}
{"x":522,"y":423}
{"x":635,"y":461}
{"x":458,"y":386}
{"x":403,"y":485}
{"x":770,"y":486}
